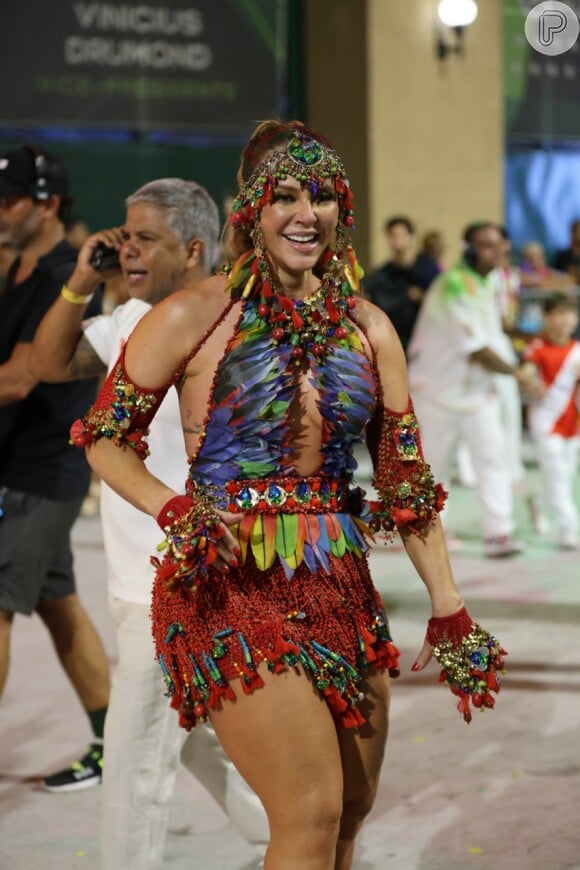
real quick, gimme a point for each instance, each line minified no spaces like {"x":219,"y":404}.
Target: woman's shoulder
{"x":188,"y":310}
{"x":203,"y":299}
{"x":373,"y":320}
{"x":166,"y":335}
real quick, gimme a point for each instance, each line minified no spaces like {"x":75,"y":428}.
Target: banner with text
{"x":214,"y":66}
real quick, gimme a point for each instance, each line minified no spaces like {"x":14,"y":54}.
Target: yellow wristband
{"x":75,"y":298}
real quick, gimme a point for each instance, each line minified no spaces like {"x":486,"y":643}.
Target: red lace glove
{"x":192,"y":531}
{"x":470,"y":658}
{"x":173,"y":510}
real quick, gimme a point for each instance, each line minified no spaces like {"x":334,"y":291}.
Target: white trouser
{"x":511,"y":417}
{"x":142,"y":747}
{"x":558,"y":461}
{"x":482,"y":431}
{"x":510,"y":404}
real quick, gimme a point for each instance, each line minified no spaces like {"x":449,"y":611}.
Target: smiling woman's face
{"x":298,"y":225}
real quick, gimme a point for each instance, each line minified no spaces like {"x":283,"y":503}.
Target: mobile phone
{"x":103,"y":258}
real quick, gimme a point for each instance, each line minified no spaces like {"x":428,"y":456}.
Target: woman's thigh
{"x":283,"y":741}
{"x":362,"y":750}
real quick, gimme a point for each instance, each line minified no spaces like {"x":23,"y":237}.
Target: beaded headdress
{"x":304,"y":158}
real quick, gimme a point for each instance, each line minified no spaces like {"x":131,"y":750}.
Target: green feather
{"x":286,"y":535}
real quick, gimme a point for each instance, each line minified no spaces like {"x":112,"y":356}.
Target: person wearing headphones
{"x":452,"y":369}
{"x":43,"y":480}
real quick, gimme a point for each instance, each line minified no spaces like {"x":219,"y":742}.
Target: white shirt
{"x":506,"y":285}
{"x":130,"y":536}
{"x":458,"y":317}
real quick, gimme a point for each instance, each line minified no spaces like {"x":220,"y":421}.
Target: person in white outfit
{"x":454,"y":357}
{"x":554,"y":418}
{"x":505,"y":280}
{"x":169,"y":241}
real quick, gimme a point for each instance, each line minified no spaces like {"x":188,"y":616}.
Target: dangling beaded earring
{"x":265,"y":270}
{"x":257,"y":237}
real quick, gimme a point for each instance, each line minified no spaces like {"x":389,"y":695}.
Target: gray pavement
{"x":502,"y":793}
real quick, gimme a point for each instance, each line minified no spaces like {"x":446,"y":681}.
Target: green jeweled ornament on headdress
{"x":305,"y":159}
{"x":307,"y":152}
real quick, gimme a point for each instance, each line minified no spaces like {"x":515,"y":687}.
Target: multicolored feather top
{"x":249,"y":432}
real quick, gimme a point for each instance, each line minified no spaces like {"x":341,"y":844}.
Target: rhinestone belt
{"x":287,"y":495}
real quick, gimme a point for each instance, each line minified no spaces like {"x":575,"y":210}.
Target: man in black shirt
{"x":43,"y":480}
{"x":398,"y":286}
{"x":568,"y":260}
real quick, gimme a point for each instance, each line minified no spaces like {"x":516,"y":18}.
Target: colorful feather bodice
{"x":247,"y":431}
{"x":248,"y":436}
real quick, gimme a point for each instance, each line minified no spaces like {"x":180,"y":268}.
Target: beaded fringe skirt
{"x":211,"y":641}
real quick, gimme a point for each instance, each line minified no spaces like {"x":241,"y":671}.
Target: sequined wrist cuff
{"x":470,"y":658}
{"x":172,"y":510}
{"x":190,"y":545}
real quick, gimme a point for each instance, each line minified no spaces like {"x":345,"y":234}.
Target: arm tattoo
{"x":194,"y":429}
{"x":86,"y":363}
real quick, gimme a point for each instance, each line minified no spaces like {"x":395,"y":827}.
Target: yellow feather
{"x":263,"y":540}
{"x":249,"y":285}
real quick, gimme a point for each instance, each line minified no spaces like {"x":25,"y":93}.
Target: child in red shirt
{"x":553,"y":419}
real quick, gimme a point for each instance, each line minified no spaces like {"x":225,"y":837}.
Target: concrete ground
{"x":501,"y":794}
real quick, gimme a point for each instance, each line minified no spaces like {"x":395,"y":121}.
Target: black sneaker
{"x":85,"y":773}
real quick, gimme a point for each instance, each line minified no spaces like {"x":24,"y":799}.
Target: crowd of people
{"x":476,"y":378}
{"x":262,"y":608}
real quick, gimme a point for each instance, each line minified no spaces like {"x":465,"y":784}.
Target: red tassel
{"x":275,"y":665}
{"x":463,"y":705}
{"x":335,"y":701}
{"x":227,"y":693}
{"x":387,"y":656}
{"x":297,"y":321}
{"x":492,"y":683}
{"x":283,"y":647}
{"x":403,"y":516}
{"x":214,"y":698}
{"x":441,"y":496}
{"x":352,"y":718}
{"x":250,"y":682}
{"x":333,"y":312}
{"x":488,"y":701}
{"x":368,"y":640}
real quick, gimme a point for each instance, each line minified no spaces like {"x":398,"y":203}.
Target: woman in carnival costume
{"x":264,"y":582}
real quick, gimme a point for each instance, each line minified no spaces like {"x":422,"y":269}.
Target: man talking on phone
{"x":169,"y":242}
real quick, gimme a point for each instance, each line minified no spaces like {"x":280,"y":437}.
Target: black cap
{"x":31,"y":171}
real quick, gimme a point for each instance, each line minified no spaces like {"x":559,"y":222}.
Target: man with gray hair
{"x":169,"y":241}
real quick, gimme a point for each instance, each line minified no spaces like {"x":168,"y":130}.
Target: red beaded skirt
{"x":212,"y":639}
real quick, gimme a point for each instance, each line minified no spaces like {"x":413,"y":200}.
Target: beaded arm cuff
{"x":192,"y":531}
{"x":410,"y":498}
{"x":470,"y":658}
{"x":122,"y":412}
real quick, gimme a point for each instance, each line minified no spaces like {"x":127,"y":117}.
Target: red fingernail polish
{"x":226,"y":569}
{"x":416,"y":667}
{"x":237,"y":551}
{"x":234,"y":563}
